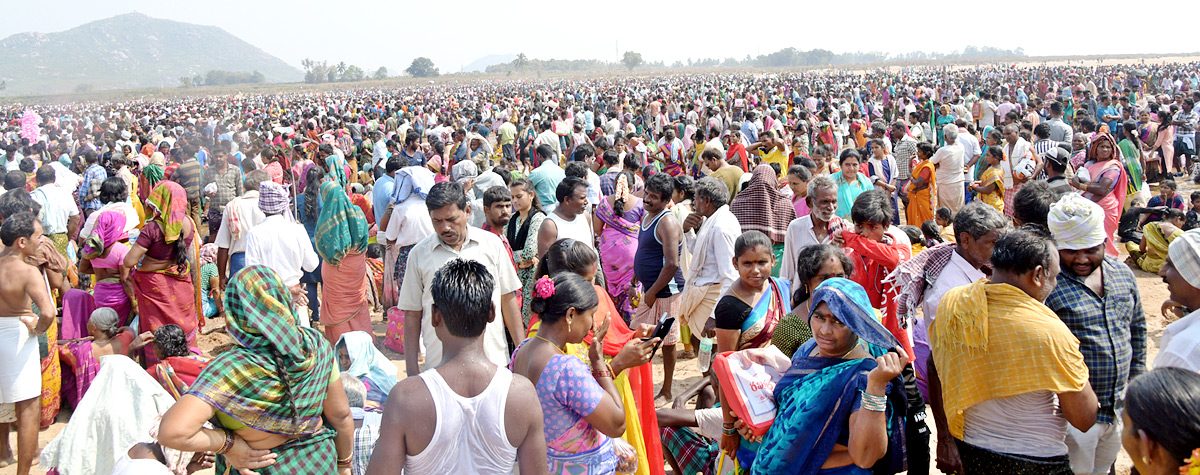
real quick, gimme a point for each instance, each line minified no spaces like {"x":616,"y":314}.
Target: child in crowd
{"x":914,"y":237}
{"x":945,"y":220}
{"x":797,"y":181}
{"x":1192,"y":219}
{"x":990,"y":187}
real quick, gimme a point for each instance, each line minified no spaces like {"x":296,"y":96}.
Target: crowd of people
{"x":888,"y":244}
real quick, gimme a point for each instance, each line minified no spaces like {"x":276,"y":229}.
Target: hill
{"x":128,"y":51}
{"x":480,"y":65}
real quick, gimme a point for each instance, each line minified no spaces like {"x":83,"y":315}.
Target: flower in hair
{"x":1193,"y":464}
{"x":544,"y":288}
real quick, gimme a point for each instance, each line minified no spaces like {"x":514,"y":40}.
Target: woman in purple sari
{"x":103,"y":252}
{"x":81,"y":357}
{"x":618,"y":219}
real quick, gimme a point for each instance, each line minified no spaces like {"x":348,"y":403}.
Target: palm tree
{"x":521,"y":62}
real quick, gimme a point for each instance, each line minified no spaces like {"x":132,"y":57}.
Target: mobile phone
{"x":660,"y":331}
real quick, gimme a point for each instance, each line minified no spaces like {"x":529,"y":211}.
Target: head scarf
{"x":158,"y":159}
{"x":335,"y":166}
{"x":1094,"y":146}
{"x":341,"y":226}
{"x":109,"y":228}
{"x":276,"y":378}
{"x":171,"y":202}
{"x":761,"y":207}
{"x":410,"y":180}
{"x":272,"y":198}
{"x":368,"y":361}
{"x":208,"y":254}
{"x":1076,"y":222}
{"x":1185,"y":256}
{"x":850,"y":304}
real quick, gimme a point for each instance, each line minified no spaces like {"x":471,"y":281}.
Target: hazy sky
{"x":373,"y":33}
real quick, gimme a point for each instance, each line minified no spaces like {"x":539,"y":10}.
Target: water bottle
{"x":704,"y":359}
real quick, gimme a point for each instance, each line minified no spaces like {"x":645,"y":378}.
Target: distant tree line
{"x":316,"y":72}
{"x":217,"y":77}
{"x":786,"y":57}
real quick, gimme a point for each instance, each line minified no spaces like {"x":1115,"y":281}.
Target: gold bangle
{"x":346,"y":460}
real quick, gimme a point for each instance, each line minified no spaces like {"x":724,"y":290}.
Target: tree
{"x":632,"y":60}
{"x":185,"y":82}
{"x":381,"y":73}
{"x":422,"y":68}
{"x":198,"y":81}
{"x":353,"y":73}
{"x":341,"y":68}
{"x":521,"y":62}
{"x":83,"y":88}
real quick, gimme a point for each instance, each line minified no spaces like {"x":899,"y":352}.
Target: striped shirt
{"x":189,"y":175}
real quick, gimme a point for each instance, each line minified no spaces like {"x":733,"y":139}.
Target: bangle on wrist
{"x":228,"y":444}
{"x":605,"y":372}
{"x":345,"y":461}
{"x":874,"y":403}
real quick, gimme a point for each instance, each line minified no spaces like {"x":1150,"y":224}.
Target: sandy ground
{"x":1152,"y":288}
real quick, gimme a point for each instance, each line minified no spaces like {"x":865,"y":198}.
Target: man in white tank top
{"x":467,"y":415}
{"x":569,"y":219}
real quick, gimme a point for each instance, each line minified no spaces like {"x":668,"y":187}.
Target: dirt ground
{"x":1152,"y":288}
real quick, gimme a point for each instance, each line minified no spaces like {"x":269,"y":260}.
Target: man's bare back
{"x":21,"y":286}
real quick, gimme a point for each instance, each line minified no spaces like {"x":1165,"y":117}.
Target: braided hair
{"x":282,"y":373}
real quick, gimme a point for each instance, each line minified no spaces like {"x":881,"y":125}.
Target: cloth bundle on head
{"x":341,"y":226}
{"x":275,"y":379}
{"x":109,"y":228}
{"x":412,"y":180}
{"x":1076,"y":223}
{"x":367,"y":361}
{"x":207,"y":254}
{"x":1184,"y":253}
{"x":464,"y":170}
{"x":761,"y":207}
{"x":171,"y":202}
{"x":273,"y":198}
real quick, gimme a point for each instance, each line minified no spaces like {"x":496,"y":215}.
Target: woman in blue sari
{"x":840,"y":405}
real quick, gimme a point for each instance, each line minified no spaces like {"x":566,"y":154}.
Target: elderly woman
{"x":166,"y":279}
{"x":1162,"y":422}
{"x":1108,"y":184}
{"x":761,"y":207}
{"x":341,"y":239}
{"x":81,"y":357}
{"x":816,"y":264}
{"x":840,"y":405}
{"x":276,"y":395}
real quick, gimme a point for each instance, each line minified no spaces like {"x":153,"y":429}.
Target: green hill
{"x":128,"y":51}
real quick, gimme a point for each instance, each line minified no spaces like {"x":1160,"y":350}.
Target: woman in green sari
{"x":840,"y":406}
{"x":277,"y":394}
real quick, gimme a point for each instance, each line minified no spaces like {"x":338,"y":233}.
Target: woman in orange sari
{"x":920,"y":200}
{"x":1107,"y":186}
{"x":342,"y":236}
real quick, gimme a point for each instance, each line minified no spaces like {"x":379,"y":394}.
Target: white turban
{"x":1185,"y":256}
{"x":1077,"y":223}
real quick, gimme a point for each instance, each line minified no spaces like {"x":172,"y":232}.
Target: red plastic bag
{"x":394,"y":338}
{"x":748,"y":388}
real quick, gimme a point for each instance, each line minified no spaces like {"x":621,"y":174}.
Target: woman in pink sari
{"x":81,"y":357}
{"x":618,"y":219}
{"x":1107,"y":186}
{"x":103,"y":252}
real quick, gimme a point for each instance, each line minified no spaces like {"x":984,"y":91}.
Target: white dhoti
{"x":951,"y":195}
{"x":20,"y":370}
{"x":697,"y":306}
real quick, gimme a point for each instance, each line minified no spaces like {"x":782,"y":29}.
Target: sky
{"x":373,"y":33}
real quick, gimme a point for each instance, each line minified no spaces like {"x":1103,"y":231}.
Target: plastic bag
{"x":748,"y":387}
{"x":394,"y":338}
{"x":627,"y":457}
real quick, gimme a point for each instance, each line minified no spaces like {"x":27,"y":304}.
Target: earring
{"x":568,"y":326}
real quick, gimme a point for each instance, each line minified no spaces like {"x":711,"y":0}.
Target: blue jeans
{"x":237,"y":261}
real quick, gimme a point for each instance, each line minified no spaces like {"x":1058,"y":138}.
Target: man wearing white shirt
{"x":455,"y":239}
{"x":711,"y":270}
{"x":241,"y":214}
{"x":282,"y":244}
{"x":821,"y":226}
{"x":1016,"y":149}
{"x":59,"y":214}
